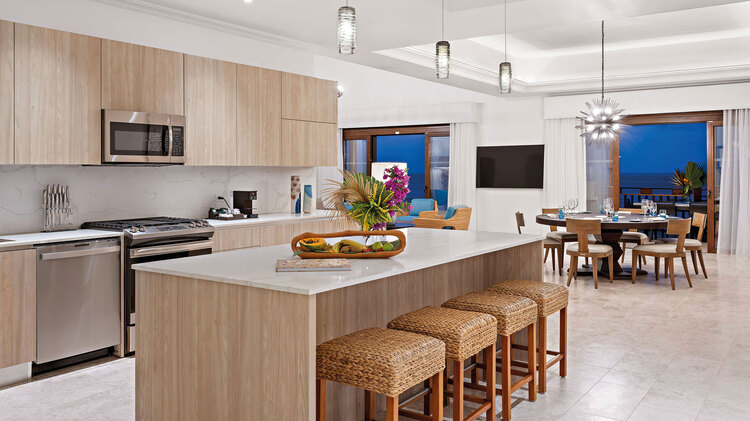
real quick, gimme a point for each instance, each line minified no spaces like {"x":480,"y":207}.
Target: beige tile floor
{"x":637,"y":352}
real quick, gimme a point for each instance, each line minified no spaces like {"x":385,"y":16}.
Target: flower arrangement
{"x":362,"y":199}
{"x":690,"y":179}
{"x":397,"y":181}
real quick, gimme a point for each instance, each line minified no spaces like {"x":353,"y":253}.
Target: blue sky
{"x":661,"y":148}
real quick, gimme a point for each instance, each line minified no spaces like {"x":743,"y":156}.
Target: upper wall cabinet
{"x":309,"y":99}
{"x":137,"y":78}
{"x":211,"y":110}
{"x":6,"y":92}
{"x":258,"y":116}
{"x":57,"y":97}
{"x":308,"y":143}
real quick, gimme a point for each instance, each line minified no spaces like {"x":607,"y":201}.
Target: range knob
{"x":191,"y":225}
{"x":133,"y":229}
{"x":142,"y":228}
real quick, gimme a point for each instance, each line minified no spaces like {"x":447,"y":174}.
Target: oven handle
{"x":172,"y":248}
{"x":79,"y":253}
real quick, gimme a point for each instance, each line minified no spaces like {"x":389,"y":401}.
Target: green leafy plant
{"x":362,"y":199}
{"x":690,"y":179}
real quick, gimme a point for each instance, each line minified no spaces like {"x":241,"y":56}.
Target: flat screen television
{"x":513,"y":167}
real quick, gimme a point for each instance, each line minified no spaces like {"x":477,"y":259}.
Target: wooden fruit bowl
{"x":374,"y":255}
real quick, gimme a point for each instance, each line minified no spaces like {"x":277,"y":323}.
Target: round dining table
{"x":611,"y":233}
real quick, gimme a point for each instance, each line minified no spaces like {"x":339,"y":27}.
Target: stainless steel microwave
{"x":131,"y":137}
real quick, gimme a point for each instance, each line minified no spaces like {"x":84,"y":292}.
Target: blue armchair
{"x":419,"y":206}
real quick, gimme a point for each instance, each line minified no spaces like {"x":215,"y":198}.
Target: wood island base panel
{"x":218,"y":350}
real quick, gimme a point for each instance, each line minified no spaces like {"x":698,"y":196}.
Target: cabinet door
{"x":17,"y":307}
{"x":310,"y":99}
{"x":137,"y":78}
{"x":57,"y":90}
{"x":307,"y":144}
{"x":7,"y":154}
{"x":211,"y":110}
{"x":236,"y":238}
{"x":258,"y":116}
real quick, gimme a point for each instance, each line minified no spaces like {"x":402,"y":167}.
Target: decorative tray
{"x":334,"y":251}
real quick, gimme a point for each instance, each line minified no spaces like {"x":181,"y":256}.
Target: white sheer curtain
{"x":462,"y":173}
{"x":734,"y":209}
{"x":564,"y":163}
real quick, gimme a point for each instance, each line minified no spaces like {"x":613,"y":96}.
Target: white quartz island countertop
{"x":256,"y":267}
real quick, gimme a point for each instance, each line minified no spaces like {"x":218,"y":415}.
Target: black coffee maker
{"x":243,"y":200}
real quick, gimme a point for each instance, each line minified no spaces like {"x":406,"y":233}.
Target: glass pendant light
{"x":506,"y":73}
{"x":602,"y":122}
{"x":347,"y":30}
{"x":443,"y":54}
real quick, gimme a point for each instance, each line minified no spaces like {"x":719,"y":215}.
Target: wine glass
{"x":575,"y":205}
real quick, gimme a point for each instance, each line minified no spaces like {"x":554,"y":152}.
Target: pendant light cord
{"x":443,"y":18}
{"x":602,"y":61}
{"x":505,"y":27}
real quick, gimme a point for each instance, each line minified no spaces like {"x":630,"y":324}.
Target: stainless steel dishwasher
{"x":77,"y":298}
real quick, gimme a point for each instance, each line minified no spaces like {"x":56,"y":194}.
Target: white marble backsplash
{"x":110,"y":192}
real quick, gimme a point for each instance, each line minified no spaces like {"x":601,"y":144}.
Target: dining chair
{"x":694,"y":246}
{"x":668,"y":252}
{"x":561,"y":237}
{"x":582,"y":228}
{"x":549,"y":244}
{"x":632,"y":236}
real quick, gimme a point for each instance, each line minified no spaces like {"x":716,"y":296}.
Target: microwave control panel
{"x":178,"y":141}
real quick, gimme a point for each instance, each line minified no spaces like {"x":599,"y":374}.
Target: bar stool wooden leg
{"x":564,"y":342}
{"x":369,"y":405}
{"x":532,"y":363}
{"x":458,"y":390}
{"x":320,"y":394}
{"x":490,"y":379}
{"x":505,"y":376}
{"x":391,"y":408}
{"x":656,"y":267}
{"x":436,"y":398}
{"x":542,"y":354}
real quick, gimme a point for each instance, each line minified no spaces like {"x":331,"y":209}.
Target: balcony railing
{"x":632,"y":195}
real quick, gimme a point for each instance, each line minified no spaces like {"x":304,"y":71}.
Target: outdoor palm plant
{"x":690,"y":179}
{"x":362,"y":199}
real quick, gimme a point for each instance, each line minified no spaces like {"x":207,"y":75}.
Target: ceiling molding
{"x":164,"y":12}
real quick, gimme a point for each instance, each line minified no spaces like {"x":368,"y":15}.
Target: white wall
{"x":502,"y":122}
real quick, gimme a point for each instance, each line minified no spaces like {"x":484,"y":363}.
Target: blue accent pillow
{"x":409,"y":219}
{"x":421,"y":205}
{"x":452,"y":211}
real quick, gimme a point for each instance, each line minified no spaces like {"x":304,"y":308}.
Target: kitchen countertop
{"x":270,"y":218}
{"x":27,"y":240}
{"x":256,"y":267}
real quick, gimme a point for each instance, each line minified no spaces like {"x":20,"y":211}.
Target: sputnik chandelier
{"x":601,"y":123}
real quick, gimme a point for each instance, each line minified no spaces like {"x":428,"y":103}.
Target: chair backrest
{"x":699,"y":220}
{"x":551,"y":211}
{"x":584,"y":227}
{"x":519,"y":221}
{"x":421,"y":205}
{"x":461,"y":219}
{"x":680,"y":228}
{"x":668,"y":207}
{"x":698,"y":208}
{"x":631,"y":210}
{"x":452,"y":210}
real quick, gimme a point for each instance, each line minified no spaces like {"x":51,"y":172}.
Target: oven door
{"x":151,"y":254}
{"x":133,"y":137}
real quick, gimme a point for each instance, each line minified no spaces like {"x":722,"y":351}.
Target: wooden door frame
{"x":711,"y":182}
{"x":372,"y":133}
{"x":708,"y":117}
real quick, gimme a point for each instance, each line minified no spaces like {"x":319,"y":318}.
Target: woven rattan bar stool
{"x":549,"y":299}
{"x":381,"y":361}
{"x":465,"y":334}
{"x":513,"y":314}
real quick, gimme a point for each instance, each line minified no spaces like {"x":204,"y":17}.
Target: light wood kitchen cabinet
{"x":211,"y":110}
{"x":236,"y":238}
{"x":17,"y":307}
{"x":306,"y":143}
{"x":138,"y":78}
{"x":309,"y":99}
{"x":7,"y":48}
{"x":57,"y":97}
{"x":258,"y":116}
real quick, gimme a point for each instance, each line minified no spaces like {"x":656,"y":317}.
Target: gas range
{"x":155,"y":229}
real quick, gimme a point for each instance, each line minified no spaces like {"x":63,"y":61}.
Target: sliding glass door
{"x":715,"y":153}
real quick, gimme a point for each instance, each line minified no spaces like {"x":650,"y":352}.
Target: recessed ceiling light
{"x":248,"y":1}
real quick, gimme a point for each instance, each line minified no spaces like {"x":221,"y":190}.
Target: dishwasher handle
{"x":79,"y":253}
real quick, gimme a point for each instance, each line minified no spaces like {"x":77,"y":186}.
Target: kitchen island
{"x":224,"y":336}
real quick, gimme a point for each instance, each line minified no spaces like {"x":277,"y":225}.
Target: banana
{"x":354,"y":246}
{"x":337,"y":247}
